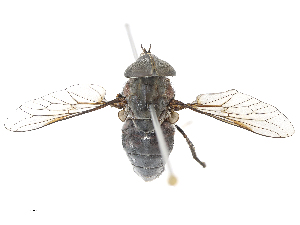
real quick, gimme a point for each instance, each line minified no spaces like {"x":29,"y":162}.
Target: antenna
{"x":135,"y":55}
{"x":162,"y":145}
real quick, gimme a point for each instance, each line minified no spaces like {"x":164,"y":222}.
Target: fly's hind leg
{"x":192,"y":147}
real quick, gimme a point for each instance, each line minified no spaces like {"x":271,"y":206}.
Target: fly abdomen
{"x":147,"y":166}
{"x":143,"y":151}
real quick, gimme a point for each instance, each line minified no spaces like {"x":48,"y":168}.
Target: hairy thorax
{"x":140,"y":92}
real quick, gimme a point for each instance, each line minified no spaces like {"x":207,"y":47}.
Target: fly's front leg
{"x":192,"y":147}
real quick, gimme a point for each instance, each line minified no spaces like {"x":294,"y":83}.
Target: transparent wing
{"x":59,"y":105}
{"x":244,"y":111}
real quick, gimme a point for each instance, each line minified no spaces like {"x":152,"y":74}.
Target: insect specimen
{"x":148,"y":85}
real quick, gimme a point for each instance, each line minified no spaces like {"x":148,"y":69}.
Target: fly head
{"x":149,"y":65}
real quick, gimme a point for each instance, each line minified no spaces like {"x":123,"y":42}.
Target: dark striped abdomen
{"x":142,"y":148}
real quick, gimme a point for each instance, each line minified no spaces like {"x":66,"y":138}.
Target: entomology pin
{"x":148,"y":109}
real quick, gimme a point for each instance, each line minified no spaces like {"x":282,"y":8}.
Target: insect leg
{"x":192,"y":147}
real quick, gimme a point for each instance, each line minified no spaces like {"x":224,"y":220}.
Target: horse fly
{"x":148,"y":87}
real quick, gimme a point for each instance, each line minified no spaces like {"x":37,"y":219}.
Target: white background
{"x":76,"y":172}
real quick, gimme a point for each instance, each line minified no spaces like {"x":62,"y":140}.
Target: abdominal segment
{"x":143,"y":151}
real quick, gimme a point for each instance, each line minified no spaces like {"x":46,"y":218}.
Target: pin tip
{"x":172,"y":180}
